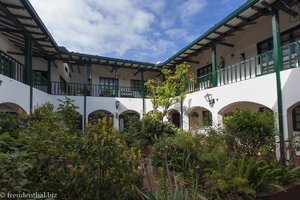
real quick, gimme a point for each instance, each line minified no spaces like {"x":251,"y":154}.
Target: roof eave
{"x":235,"y":13}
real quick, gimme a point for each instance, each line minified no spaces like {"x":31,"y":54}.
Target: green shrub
{"x":49,"y":156}
{"x":144,"y":133}
{"x":251,"y":133}
{"x":190,"y":155}
{"x":244,"y":177}
{"x":153,"y":128}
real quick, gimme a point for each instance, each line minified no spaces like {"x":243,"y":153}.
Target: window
{"x":40,"y":77}
{"x":201,"y":72}
{"x":107,"y":86}
{"x":108,"y":82}
{"x":296,"y":118}
{"x":207,"y":118}
{"x":63,"y":84}
{"x":287,"y":37}
{"x":204,"y":70}
{"x":136,"y":85}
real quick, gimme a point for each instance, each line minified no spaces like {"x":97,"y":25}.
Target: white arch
{"x":242,"y":104}
{"x":10,"y":107}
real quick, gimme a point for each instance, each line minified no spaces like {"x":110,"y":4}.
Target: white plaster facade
{"x":252,"y":93}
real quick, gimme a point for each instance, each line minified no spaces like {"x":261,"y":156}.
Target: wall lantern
{"x":1,"y":82}
{"x":209,"y":99}
{"x":117,"y":104}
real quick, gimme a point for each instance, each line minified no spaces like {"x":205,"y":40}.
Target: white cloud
{"x":110,"y":28}
{"x":131,"y":29}
{"x":190,"y":8}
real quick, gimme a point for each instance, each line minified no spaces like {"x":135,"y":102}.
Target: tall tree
{"x":171,"y":90}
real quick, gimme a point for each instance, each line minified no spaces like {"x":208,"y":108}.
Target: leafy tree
{"x":49,"y":156}
{"x":71,"y":117}
{"x":171,"y":90}
{"x":250,"y":132}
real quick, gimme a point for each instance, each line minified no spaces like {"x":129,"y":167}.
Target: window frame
{"x":63,"y":84}
{"x":294,"y":116}
{"x":136,"y":85}
{"x":109,"y":86}
{"x":289,"y":32}
{"x":206,"y":118}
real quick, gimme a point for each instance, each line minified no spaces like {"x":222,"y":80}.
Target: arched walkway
{"x":174,"y":117}
{"x":199,"y":118}
{"x":254,"y":107}
{"x":94,"y":116}
{"x":11,"y":108}
{"x":126,"y":117}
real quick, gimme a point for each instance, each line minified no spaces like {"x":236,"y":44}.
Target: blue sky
{"x":142,"y":30}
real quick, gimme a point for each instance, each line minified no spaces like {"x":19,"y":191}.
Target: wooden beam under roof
{"x":266,"y":5}
{"x":22,"y":17}
{"x":233,"y":27}
{"x":13,"y":6}
{"x":30,"y":25}
{"x":45,"y":45}
{"x":16,"y":41}
{"x":7,"y":23}
{"x":220,"y":42}
{"x":13,"y":37}
{"x":9,"y":30}
{"x":15,"y":20}
{"x":242,"y":18}
{"x":288,"y":10}
{"x":191,"y":61}
{"x":261,"y":10}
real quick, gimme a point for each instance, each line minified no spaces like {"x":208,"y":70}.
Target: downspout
{"x":278,"y":65}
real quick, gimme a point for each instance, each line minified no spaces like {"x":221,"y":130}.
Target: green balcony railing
{"x":11,"y":68}
{"x":15,"y":70}
{"x":258,"y":65}
{"x":77,"y":89}
{"x":200,"y":83}
{"x":40,"y":82}
{"x":255,"y":66}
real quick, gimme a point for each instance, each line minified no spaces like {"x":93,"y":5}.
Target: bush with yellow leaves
{"x":110,"y":165}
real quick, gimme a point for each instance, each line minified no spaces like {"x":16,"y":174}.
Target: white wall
{"x":126,"y":75}
{"x":12,"y":91}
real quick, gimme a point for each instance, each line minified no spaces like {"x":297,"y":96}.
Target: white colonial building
{"x":250,"y":59}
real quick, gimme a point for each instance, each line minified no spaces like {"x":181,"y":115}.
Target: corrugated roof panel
{"x":234,"y":22}
{"x":223,"y":29}
{"x":213,"y":36}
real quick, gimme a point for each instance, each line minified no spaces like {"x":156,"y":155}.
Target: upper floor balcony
{"x":12,"y":68}
{"x":253,"y":67}
{"x":250,"y":68}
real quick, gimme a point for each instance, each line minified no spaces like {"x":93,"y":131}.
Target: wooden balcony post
{"x":214,"y":66}
{"x":28,"y":67}
{"x":143,"y":90}
{"x":49,"y":75}
{"x":85,"y":94}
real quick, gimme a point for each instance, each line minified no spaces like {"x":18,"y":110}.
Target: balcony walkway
{"x":250,"y":68}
